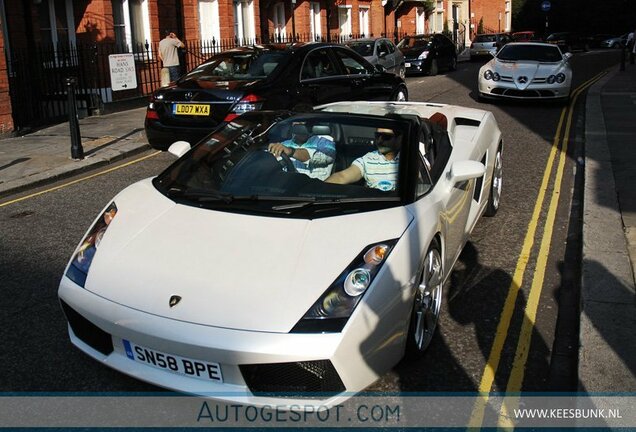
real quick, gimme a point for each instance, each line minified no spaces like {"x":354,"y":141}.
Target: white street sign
{"x":122,"y":71}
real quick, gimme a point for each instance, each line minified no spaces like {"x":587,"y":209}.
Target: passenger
{"x":311,"y":154}
{"x":378,"y":168}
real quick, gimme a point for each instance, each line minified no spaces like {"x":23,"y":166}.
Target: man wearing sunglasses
{"x":378,"y":168}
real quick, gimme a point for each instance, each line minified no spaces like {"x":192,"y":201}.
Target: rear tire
{"x":400,"y":95}
{"x":494,"y":199}
{"x":453,"y":64}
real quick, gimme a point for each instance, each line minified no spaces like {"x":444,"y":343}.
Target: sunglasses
{"x":384,"y":135}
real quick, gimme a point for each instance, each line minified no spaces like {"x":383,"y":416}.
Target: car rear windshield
{"x":414,"y":43}
{"x":235,"y":166}
{"x":485,"y":38}
{"x":540,"y":53}
{"x":239,"y":66}
{"x":365,"y":49}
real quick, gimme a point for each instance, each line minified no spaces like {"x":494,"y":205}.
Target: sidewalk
{"x":607,"y":353}
{"x":45,"y":156}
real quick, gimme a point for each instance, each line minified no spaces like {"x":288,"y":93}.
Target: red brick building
{"x":42,"y":38}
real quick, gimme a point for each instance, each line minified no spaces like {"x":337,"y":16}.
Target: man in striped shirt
{"x":379,"y":168}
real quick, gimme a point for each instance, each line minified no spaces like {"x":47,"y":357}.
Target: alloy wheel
{"x":428,"y":300}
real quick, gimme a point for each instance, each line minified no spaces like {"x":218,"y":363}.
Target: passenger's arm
{"x":348,"y":176}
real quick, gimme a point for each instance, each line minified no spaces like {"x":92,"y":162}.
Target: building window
{"x":244,"y":21}
{"x":314,"y":20}
{"x":57,"y":24}
{"x":209,"y":22}
{"x":420,"y":20}
{"x":364,"y":20}
{"x":344,"y":20}
{"x":438,"y":24}
{"x":508,"y":16}
{"x":279,"y":21}
{"x":132,"y":25}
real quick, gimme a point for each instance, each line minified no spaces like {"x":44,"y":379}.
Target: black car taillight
{"x":251,"y":102}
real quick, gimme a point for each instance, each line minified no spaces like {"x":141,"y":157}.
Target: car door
{"x":384,"y":56}
{"x":365,"y":83}
{"x":394,"y":55}
{"x":321,"y":79}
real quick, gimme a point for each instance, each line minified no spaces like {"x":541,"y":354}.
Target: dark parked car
{"x":428,"y":53}
{"x":282,"y":76}
{"x":568,"y":41}
{"x":614,"y":41}
{"x":488,"y":44}
{"x":525,"y":36}
{"x":380,"y":51}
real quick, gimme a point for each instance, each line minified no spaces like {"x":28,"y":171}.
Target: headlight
{"x":334,"y":307}
{"x":551,"y":79}
{"x":81,"y":262}
{"x":496,"y":76}
{"x":488,"y":75}
{"x":423,"y":55}
{"x":560,"y":78}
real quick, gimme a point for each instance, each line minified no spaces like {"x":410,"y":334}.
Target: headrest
{"x":321,"y":130}
{"x":269,"y":67}
{"x":439,"y":119}
{"x":300,"y":129}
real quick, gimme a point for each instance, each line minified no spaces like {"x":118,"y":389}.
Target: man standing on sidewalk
{"x":169,"y":54}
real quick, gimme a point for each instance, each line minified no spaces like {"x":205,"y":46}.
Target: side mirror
{"x":179,"y":148}
{"x":380,"y":68}
{"x":382,"y":54}
{"x":567,"y":56}
{"x":465,"y":170}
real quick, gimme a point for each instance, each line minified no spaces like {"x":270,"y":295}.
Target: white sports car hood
{"x":233,"y":271}
{"x":523,"y":72}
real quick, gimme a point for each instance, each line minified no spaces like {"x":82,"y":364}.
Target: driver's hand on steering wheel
{"x":277,"y":149}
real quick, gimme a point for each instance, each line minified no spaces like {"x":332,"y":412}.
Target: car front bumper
{"x":502,"y":89}
{"x":295,"y":361}
{"x":417,"y":66}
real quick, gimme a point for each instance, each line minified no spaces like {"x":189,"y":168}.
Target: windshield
{"x":540,"y":53}
{"x":485,"y":38}
{"x":365,"y":49}
{"x":230,"y":66}
{"x":414,"y":43}
{"x":238,"y":165}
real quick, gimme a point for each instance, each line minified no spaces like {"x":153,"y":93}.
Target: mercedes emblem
{"x":522,"y":79}
{"x":189,"y":95}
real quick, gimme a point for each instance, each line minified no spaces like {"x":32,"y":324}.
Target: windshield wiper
{"x":200,"y":195}
{"x":315,"y":202}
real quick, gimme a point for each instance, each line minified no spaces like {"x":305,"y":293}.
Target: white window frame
{"x":209,"y":23}
{"x":345,"y":34}
{"x":420,"y":20}
{"x":145,"y":17}
{"x":280,"y":20}
{"x":363,"y":20}
{"x":314,"y":20}
{"x":438,"y":22}
{"x":508,"y":16}
{"x":244,"y":30}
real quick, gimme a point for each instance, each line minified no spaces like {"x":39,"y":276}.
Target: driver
{"x":378,"y":168}
{"x":312,"y":155}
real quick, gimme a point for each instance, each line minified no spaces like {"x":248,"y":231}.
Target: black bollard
{"x":77,"y":152}
{"x":623,"y":55}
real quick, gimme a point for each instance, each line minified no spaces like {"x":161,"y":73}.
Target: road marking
{"x":488,"y":377}
{"x":53,"y":189}
{"x":515,"y":380}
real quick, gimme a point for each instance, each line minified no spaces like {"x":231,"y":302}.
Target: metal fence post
{"x":77,"y":152}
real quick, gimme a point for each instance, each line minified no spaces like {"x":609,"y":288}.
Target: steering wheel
{"x":286,"y":162}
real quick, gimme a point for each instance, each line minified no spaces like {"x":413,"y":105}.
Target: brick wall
{"x":6,"y":120}
{"x":489,"y":10}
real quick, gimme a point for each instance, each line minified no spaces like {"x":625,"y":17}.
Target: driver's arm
{"x":347,"y":176}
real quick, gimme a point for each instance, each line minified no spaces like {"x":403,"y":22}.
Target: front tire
{"x":427,"y":303}
{"x":432,"y":71}
{"x":402,"y":71}
{"x":453,"y":64}
{"x":494,"y":199}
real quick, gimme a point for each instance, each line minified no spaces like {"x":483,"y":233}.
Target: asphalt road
{"x":478,"y":337}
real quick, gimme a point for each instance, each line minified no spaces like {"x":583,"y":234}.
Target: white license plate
{"x":172,"y":363}
{"x":407,"y":64}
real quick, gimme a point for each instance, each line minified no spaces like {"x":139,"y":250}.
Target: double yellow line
{"x":523,"y":344}
{"x":79,"y":180}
